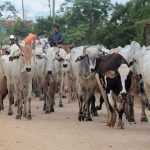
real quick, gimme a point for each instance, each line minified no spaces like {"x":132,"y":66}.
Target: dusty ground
{"x":62,"y":131}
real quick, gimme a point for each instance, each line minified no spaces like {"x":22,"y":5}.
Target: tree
{"x":97,"y":22}
{"x":86,"y":16}
{"x":21,"y":29}
{"x":43,"y":25}
{"x":8,"y":11}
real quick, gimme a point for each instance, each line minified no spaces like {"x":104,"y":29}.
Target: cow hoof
{"x":18,"y":116}
{"x":41,"y":98}
{"x":10,"y":113}
{"x":37,"y":94}
{"x":24,"y":115}
{"x":12,"y":102}
{"x":29,"y":117}
{"x":52,"y":109}
{"x":120,"y":124}
{"x":61,"y":105}
{"x":144,"y":119}
{"x":80,"y":117}
{"x":44,"y":108}
{"x":98,"y":107}
{"x":131,"y":119}
{"x":16,"y":104}
{"x":1,"y":108}
{"x":64,"y":96}
{"x":112,"y":120}
{"x":88,"y":118}
{"x":94,"y":113}
{"x":47,"y":112}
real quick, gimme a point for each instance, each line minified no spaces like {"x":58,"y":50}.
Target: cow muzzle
{"x":92,"y":70}
{"x":28,"y":69}
{"x":49,"y":72}
{"x":64,"y":65}
{"x":124,"y":94}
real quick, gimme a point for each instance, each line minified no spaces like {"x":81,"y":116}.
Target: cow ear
{"x":80,"y":58}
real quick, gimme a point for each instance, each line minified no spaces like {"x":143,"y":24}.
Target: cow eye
{"x":22,"y":55}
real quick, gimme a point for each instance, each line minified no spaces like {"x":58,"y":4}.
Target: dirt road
{"x":62,"y":131}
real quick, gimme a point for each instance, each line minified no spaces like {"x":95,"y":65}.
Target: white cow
{"x":23,"y":82}
{"x":83,"y":62}
{"x":11,"y":73}
{"x":140,"y":59}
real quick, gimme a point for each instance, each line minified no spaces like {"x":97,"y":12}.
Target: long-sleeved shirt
{"x":57,"y":37}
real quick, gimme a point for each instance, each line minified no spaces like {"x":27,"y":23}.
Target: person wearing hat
{"x":12,"y":40}
{"x":56,"y":36}
{"x":12,"y":45}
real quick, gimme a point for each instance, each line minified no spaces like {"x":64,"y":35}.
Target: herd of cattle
{"x":88,"y":70}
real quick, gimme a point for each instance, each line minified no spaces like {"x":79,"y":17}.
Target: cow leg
{"x":25,"y":102}
{"x":44,"y":106}
{"x":127,"y":109}
{"x":60,"y":91}
{"x":47,"y":111}
{"x":29,"y":116}
{"x":63,"y":91}
{"x":121,"y":110}
{"x":87,"y":108}
{"x":130,"y":109}
{"x":52,"y":105}
{"x":74,"y":94}
{"x":93,"y":108}
{"x":44,"y":98}
{"x":19,"y":91}
{"x":112,"y":117}
{"x":11,"y":98}
{"x":1,"y":103}
{"x":120,"y":122}
{"x":143,"y":104}
{"x":19,"y":109}
{"x":81,"y":115}
{"x":104,"y":95}
{"x":52,"y":95}
{"x":147,"y":89}
{"x":99,"y":107}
